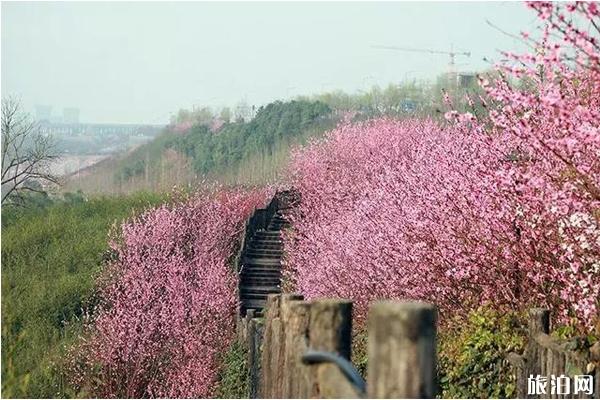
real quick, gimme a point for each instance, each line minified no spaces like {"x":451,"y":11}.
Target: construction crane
{"x":451,"y":53}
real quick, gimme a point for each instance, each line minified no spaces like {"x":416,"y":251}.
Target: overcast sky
{"x":138,"y":62}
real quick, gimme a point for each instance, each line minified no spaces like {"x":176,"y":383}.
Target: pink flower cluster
{"x":167,"y":301}
{"x":216,"y":124}
{"x":183,"y":127}
{"x":502,"y":208}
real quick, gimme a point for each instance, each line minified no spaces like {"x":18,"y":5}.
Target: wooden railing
{"x":546,"y":358}
{"x":259,"y":220}
{"x":302,"y":349}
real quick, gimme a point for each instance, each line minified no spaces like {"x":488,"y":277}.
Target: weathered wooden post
{"x":270,"y":348}
{"x":539,"y":321}
{"x":535,"y":355}
{"x":280,"y":374}
{"x":254,"y":341}
{"x":402,"y":350}
{"x":519,"y":368}
{"x":330,"y":330}
{"x":250,"y":313}
{"x":297,"y":317}
{"x":595,"y":358}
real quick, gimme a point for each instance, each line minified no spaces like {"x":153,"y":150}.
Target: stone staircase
{"x":260,"y":274}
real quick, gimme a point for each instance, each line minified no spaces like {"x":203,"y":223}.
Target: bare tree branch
{"x":26,"y":153}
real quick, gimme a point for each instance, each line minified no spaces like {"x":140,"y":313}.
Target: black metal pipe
{"x":345,"y":366}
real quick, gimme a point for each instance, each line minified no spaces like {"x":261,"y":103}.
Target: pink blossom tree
{"x":550,"y":130}
{"x":167,"y":301}
{"x":502,"y":208}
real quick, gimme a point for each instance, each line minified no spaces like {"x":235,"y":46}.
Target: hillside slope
{"x":235,"y":153}
{"x":51,"y":254}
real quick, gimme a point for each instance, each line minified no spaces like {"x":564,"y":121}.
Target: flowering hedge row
{"x":167,"y":301}
{"x":501,"y":208}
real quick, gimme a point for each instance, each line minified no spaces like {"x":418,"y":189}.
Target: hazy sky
{"x":140,"y":61}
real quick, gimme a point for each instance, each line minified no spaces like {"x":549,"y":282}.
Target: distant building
{"x":465,"y":79}
{"x":71,"y":115}
{"x":43,"y":113}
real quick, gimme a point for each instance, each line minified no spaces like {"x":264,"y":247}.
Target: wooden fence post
{"x":402,"y":349}
{"x":250,"y":313}
{"x":539,"y":321}
{"x":296,"y":344}
{"x":330,"y":330}
{"x":280,"y":374}
{"x":254,"y":341}
{"x":535,"y":355}
{"x":270,"y":348}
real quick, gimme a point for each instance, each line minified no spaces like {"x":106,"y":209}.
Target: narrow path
{"x":261,"y":270}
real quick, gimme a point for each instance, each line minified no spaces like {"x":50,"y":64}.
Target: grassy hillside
{"x":238,"y":152}
{"x":51,"y":253}
{"x":254,"y":152}
{"x":108,"y":177}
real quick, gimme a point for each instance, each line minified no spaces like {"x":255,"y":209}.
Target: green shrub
{"x":472,"y":358}
{"x":51,"y":252}
{"x":359,"y":352}
{"x":234,"y":378}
